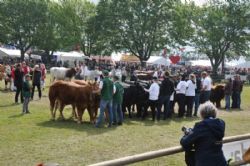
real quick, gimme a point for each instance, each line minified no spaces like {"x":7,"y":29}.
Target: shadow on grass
{"x":87,"y":127}
{"x":16,"y":116}
{"x":9,"y":105}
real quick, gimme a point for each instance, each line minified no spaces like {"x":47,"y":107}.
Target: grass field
{"x":33,"y":138}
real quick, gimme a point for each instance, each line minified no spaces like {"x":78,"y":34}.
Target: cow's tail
{"x":52,"y":99}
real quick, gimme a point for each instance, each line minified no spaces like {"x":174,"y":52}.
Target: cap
{"x":105,"y":72}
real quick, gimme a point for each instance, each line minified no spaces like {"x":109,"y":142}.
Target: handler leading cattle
{"x":107,"y":90}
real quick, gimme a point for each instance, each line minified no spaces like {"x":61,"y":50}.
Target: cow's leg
{"x":74,"y":112}
{"x":129,"y":111}
{"x":91,"y":115}
{"x":61,"y":111}
{"x":80,"y":112}
{"x":52,"y":107}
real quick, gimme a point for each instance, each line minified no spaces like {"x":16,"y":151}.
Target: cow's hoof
{"x":79,"y":122}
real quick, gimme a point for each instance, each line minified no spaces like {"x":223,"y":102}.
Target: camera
{"x":186,"y":130}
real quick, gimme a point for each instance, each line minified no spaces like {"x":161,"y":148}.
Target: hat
{"x":105,"y":72}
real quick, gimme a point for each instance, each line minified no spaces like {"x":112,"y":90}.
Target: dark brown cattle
{"x":217,"y":94}
{"x":69,"y":93}
{"x":70,"y":73}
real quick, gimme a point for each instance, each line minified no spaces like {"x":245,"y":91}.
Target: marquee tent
{"x":70,"y":56}
{"x":243,"y":65}
{"x":12,"y":53}
{"x":158,"y":60}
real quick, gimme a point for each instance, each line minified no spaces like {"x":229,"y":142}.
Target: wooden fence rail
{"x":165,"y":152}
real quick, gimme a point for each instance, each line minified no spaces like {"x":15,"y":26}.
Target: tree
{"x":48,"y":38}
{"x":140,"y":26}
{"x":220,"y":29}
{"x":22,"y":22}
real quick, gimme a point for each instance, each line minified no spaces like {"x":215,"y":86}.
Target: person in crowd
{"x":166,"y":90}
{"x":26,"y":94}
{"x":206,"y":86}
{"x":173,"y":98}
{"x":228,"y":92}
{"x":82,"y":69}
{"x":43,"y":77}
{"x":18,"y":82}
{"x":13,"y":68}
{"x":25,"y":68}
{"x":206,"y":139}
{"x":117,"y":102}
{"x":36,"y":82}
{"x":197,"y":94}
{"x":237,"y":89}
{"x":153,"y":91}
{"x":8,"y":76}
{"x":124,"y":74}
{"x":133,"y":76}
{"x":190,"y":94}
{"x":180,"y":95}
{"x":107,"y":90}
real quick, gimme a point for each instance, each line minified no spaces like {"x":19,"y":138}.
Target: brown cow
{"x":96,"y":96}
{"x":70,"y":93}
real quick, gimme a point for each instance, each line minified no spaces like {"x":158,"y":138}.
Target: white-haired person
{"x":205,"y":139}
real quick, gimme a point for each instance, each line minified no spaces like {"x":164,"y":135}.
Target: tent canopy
{"x":158,"y":60}
{"x":244,"y":65}
{"x":12,"y":53}
{"x":70,"y":56}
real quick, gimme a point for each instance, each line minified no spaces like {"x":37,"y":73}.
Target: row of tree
{"x":219,"y":29}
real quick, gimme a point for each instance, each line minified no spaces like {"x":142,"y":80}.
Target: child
{"x":26,"y":94}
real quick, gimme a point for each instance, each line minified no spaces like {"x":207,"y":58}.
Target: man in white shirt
{"x":180,"y":95}
{"x":206,"y":87}
{"x":154,"y":91}
{"x":190,"y":94}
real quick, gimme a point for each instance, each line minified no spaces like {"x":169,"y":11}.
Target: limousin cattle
{"x":62,"y":73}
{"x":69,"y":93}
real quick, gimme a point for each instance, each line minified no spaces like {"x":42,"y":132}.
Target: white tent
{"x":158,"y":60}
{"x":12,"y":53}
{"x":70,"y":56}
{"x":243,"y":65}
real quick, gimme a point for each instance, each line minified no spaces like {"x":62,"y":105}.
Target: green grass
{"x":31,"y":139}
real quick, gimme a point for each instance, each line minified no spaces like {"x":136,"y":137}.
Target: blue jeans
{"x":103,"y":105}
{"x":227,"y":101}
{"x":238,"y":99}
{"x":117,"y":110}
{"x":196,"y":103}
{"x":164,"y":100}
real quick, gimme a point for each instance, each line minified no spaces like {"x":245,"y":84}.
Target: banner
{"x":235,"y":150}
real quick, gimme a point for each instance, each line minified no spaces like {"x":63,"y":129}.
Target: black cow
{"x":134,"y":94}
{"x":217,"y":94}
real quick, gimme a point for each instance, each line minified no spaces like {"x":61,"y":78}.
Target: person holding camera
{"x":203,"y":143}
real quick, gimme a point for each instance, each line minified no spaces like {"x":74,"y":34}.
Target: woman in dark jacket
{"x":36,"y":81}
{"x":18,"y":82}
{"x":206,"y":138}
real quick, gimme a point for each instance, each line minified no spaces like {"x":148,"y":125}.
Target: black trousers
{"x":190,"y":103}
{"x":181,"y":104}
{"x":153,"y":105}
{"x":19,"y":91}
{"x":39,"y":90}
